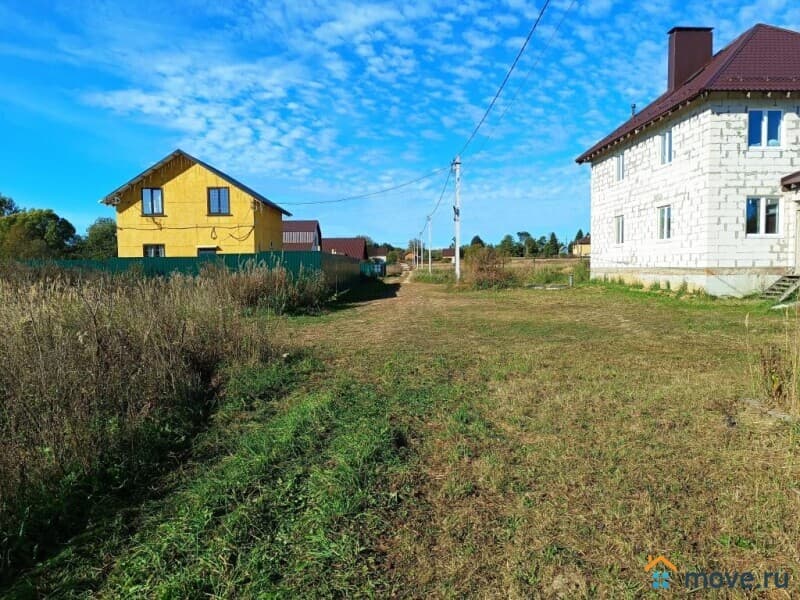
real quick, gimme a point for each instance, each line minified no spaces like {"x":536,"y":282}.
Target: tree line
{"x":39,"y":233}
{"x":524,"y":245}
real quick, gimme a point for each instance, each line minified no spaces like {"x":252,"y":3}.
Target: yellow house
{"x":582,"y":247}
{"x":182,"y":206}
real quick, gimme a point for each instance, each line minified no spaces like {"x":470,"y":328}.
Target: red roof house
{"x":352,"y":247}
{"x":701,"y":188}
{"x":301,"y":235}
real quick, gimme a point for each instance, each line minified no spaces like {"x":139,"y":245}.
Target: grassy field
{"x":422,"y":441}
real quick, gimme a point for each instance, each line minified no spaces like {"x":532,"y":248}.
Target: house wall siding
{"x":186,"y":224}
{"x":712,"y":174}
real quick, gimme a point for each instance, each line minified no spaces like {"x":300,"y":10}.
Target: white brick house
{"x":702,"y":185}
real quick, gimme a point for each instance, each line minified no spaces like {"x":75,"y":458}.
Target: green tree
{"x":393,"y":256}
{"x":579,"y":235}
{"x":36,"y":233}
{"x":101,"y":240}
{"x":477,"y":241}
{"x":509,"y":247}
{"x":525,"y":240}
{"x":7,"y":206}
{"x":551,"y":246}
{"x":368,"y":240}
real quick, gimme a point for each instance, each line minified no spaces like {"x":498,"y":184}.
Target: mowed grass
{"x":444,"y":443}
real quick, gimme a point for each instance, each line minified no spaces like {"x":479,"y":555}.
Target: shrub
{"x":486,"y":269}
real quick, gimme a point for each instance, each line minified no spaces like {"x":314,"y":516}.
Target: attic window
{"x":219,"y":201}
{"x":152,"y":201}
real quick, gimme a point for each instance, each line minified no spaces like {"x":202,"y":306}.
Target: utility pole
{"x":457,"y":215}
{"x":429,"y":244}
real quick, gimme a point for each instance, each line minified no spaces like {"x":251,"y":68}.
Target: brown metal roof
{"x":300,"y":226}
{"x":764,"y":58}
{"x":109,"y":199}
{"x":353,"y":247}
{"x":791,"y":182}
{"x":377,"y":251}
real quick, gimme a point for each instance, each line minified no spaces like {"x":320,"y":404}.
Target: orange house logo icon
{"x":661,"y":570}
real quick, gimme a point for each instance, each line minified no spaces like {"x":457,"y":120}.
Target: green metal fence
{"x":340,"y":271}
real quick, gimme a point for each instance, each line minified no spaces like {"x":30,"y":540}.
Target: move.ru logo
{"x":660,"y":569}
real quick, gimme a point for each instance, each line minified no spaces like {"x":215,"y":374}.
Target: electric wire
{"x":370,"y":194}
{"x":506,"y":78}
{"x":535,"y":64}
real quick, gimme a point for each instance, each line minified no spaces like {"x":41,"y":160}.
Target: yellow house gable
{"x":182,"y":206}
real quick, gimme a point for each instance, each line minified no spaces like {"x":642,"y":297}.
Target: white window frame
{"x":764,"y":141}
{"x":762,"y":217}
{"x":154,"y":250}
{"x":619,"y":165}
{"x":619,"y":229}
{"x":666,"y":147}
{"x":665,"y":222}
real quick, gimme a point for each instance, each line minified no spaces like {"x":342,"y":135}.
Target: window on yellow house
{"x":152,"y":201}
{"x":153,"y":251}
{"x":219,"y":201}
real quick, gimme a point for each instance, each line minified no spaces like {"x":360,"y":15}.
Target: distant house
{"x":302,"y":235}
{"x":582,"y":247}
{"x":182,"y":206}
{"x":378,"y":253}
{"x":697,"y":186}
{"x":352,"y":247}
{"x":449,"y":255}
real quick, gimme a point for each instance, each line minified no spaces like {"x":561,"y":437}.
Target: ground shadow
{"x":366,"y":291}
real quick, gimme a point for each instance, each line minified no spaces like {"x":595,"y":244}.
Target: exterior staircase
{"x":783,"y":288}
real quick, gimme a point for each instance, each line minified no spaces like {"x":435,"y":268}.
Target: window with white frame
{"x":152,"y":201}
{"x":764,"y":128}
{"x":762,"y":216}
{"x":620,"y":165}
{"x":153,"y":251}
{"x":666,"y":147}
{"x":619,"y":229}
{"x":665,"y":222}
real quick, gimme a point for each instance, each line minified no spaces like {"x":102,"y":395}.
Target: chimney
{"x":690,"y":48}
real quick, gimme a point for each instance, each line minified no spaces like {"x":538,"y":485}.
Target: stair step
{"x":783,"y":288}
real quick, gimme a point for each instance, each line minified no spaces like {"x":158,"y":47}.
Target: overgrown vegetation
{"x":435,"y":276}
{"x":775,"y":367}
{"x":536,"y":443}
{"x":102,"y":375}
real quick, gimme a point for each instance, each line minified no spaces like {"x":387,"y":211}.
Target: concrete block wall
{"x":712,"y":174}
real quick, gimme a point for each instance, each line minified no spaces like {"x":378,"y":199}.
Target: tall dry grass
{"x":775,"y":367}
{"x":100,"y":375}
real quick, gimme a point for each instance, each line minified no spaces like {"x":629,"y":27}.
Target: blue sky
{"x":314,"y":100}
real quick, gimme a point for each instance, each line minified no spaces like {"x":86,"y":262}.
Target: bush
{"x":486,"y":269}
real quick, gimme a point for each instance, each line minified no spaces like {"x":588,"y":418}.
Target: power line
{"x":370,"y":194}
{"x":444,"y":189}
{"x":507,"y":77}
{"x":527,"y":76}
